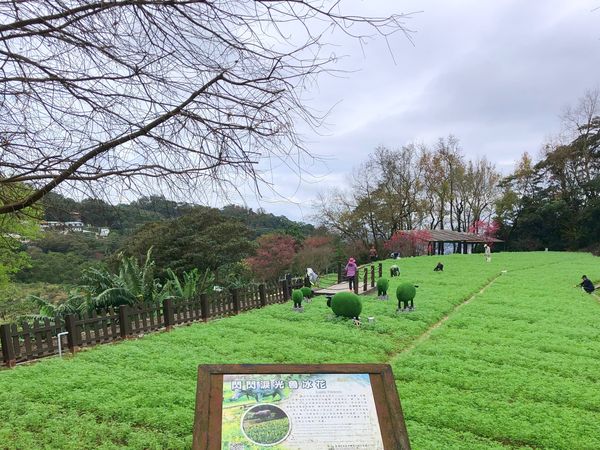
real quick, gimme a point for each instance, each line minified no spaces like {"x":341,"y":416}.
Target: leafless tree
{"x":574,"y":159}
{"x":480,"y":186}
{"x":410,"y":188}
{"x":135,"y":92}
{"x":336,"y":211}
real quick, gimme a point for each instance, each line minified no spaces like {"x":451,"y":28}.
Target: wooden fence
{"x":27,"y":342}
{"x":365,"y":269}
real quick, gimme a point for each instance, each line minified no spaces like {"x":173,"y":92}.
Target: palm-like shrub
{"x":77,"y":302}
{"x":133,"y":285}
{"x":346,"y":304}
{"x":191,"y":284}
{"x":382,"y":286}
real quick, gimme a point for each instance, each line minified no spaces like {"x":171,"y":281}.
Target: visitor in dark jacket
{"x":587,"y":285}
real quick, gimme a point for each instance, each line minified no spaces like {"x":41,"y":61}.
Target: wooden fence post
{"x":288,"y":278}
{"x":372,"y":276}
{"x":286,"y":290}
{"x":8,"y":351}
{"x":124,"y":325}
{"x":168,"y":313}
{"x":262,"y":293}
{"x":339,"y":272}
{"x":235,"y":294}
{"x":365,"y":280}
{"x":380,"y":270}
{"x":73,"y":336}
{"x":356,"y":282}
{"x":204,"y":306}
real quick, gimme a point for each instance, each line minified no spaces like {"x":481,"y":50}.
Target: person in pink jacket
{"x":351,"y":269}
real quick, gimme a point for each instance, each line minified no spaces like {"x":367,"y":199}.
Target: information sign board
{"x":298,"y":407}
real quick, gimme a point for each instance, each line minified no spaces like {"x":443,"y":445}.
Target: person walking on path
{"x":587,"y":285}
{"x":488,"y":253}
{"x":351,"y":269}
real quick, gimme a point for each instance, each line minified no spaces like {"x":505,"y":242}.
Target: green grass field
{"x":515,"y":366}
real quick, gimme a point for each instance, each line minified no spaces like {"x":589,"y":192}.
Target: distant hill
{"x":128,"y":217}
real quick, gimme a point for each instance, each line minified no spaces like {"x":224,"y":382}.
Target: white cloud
{"x":494,"y":74}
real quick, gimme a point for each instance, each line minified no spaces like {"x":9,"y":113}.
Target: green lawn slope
{"x":516,"y":366}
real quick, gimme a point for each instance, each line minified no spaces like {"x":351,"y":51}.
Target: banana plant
{"x":77,"y":302}
{"x":192,"y":283}
{"x":132,"y":285}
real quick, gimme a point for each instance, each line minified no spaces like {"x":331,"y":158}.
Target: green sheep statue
{"x":346,"y":304}
{"x":307,"y":293}
{"x":382,"y":287}
{"x":405,"y":293}
{"x":297,"y":298}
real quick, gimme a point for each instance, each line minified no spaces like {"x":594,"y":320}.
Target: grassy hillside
{"x":515,"y":366}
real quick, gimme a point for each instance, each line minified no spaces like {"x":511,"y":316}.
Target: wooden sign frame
{"x":209,"y":398}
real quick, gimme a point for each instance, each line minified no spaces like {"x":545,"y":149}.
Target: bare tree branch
{"x":195,"y":92}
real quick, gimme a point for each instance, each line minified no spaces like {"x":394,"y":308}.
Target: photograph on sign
{"x":299,"y":411}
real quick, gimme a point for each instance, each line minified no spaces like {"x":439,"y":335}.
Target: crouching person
{"x":587,"y":285}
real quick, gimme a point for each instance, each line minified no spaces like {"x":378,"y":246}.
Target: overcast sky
{"x":496,"y":74}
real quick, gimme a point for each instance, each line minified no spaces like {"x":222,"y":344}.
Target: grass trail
{"x":140,"y":394}
{"x":440,"y":322}
{"x":518,"y":367}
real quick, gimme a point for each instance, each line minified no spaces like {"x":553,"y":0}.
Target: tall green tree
{"x":555,"y":203}
{"x":203,"y":239}
{"x":412,"y":187}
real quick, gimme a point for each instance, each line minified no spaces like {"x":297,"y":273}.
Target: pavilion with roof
{"x":436,"y":239}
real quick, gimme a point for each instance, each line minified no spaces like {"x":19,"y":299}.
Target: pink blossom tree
{"x":273,"y":257}
{"x":486,"y":229}
{"x":408,"y":243}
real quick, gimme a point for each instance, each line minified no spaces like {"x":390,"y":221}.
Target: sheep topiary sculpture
{"x":382,"y":287}
{"x":405,"y":293}
{"x":346,"y":304}
{"x":297,"y":298}
{"x":306,"y":292}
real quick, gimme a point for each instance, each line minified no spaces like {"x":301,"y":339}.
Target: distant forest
{"x":183,"y":236}
{"x":127,"y":217}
